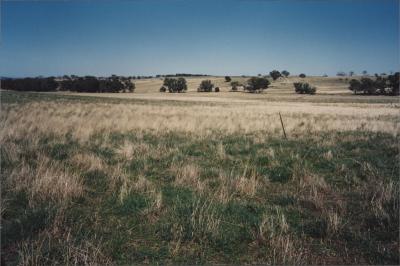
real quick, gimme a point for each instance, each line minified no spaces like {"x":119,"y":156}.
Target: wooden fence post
{"x":284,"y":132}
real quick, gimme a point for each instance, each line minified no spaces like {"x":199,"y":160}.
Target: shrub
{"x":216,"y":89}
{"x":285,"y":73}
{"x":163,"y":89}
{"x":304,"y":88}
{"x":205,"y":86}
{"x":228,"y":79}
{"x":275,"y":74}
{"x":302,"y":75}
{"x":257,"y":84}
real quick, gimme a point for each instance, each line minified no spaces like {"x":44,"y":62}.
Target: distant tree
{"x":94,"y":84}
{"x":285,"y":73}
{"x":325,"y":75}
{"x":128,"y":86}
{"x":304,"y":88}
{"x":227,"y":79}
{"x":368,"y":86}
{"x":181,"y":85}
{"x":393,"y":83}
{"x":341,"y":74}
{"x":365,"y":72}
{"x":257,"y":84}
{"x":235,"y":85}
{"x":175,"y":84}
{"x":355,"y":86}
{"x":351,"y":73}
{"x":205,"y":86}
{"x":275,"y":74}
{"x":380,"y":85}
{"x":216,"y":89}
{"x":365,"y":85}
{"x":302,"y":75}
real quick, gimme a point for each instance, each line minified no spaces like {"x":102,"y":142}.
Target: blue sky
{"x":148,"y":37}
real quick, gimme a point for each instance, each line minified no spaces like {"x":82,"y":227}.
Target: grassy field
{"x":151,"y":178}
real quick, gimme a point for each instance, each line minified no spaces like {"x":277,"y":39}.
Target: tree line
{"x":381,"y":85}
{"x":181,"y":75}
{"x":29,"y":84}
{"x":69,"y":83}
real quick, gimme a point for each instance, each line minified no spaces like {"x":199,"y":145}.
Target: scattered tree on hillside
{"x":257,"y":84}
{"x":285,"y":73}
{"x":302,"y":75}
{"x":227,"y":79}
{"x":275,"y":74}
{"x":175,"y":84}
{"x":205,"y":86}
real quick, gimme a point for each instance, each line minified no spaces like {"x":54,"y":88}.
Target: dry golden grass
{"x":128,"y":145}
{"x":85,"y":119}
{"x":49,"y":180}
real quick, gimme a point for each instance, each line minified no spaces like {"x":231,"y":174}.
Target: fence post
{"x":283,"y":127}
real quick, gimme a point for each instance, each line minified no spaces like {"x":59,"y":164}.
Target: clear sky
{"x":148,"y":37}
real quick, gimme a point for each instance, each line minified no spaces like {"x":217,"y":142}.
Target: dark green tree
{"x":205,"y":86}
{"x":285,"y":73}
{"x":257,"y":84}
{"x":275,"y":74}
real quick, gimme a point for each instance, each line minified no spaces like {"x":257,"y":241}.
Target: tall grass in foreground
{"x":113,"y":196}
{"x":264,"y":201}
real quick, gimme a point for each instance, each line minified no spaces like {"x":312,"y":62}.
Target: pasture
{"x":150,"y":177}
